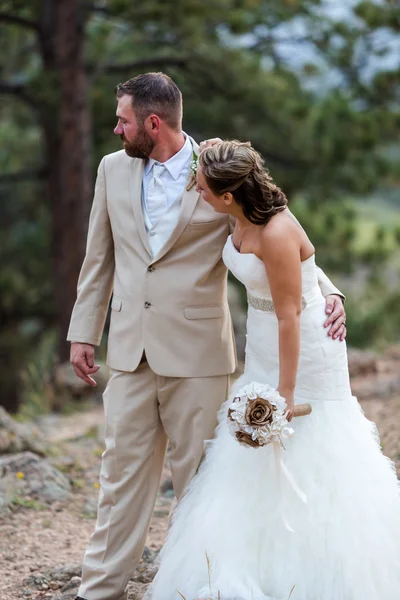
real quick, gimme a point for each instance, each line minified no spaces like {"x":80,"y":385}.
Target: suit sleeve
{"x":326,"y":285}
{"x":97,"y":273}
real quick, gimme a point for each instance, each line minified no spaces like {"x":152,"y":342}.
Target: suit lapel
{"x":136,"y":176}
{"x":189,"y":200}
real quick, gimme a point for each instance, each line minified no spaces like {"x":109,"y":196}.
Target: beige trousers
{"x":142,"y":412}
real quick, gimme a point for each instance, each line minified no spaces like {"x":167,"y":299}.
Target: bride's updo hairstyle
{"x":237,"y":168}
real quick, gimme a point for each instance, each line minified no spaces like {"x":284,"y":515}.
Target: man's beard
{"x":141,"y":147}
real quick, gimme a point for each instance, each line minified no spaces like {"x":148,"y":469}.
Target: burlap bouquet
{"x":256,"y":416}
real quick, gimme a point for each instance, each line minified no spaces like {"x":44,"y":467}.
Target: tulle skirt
{"x":228,"y":538}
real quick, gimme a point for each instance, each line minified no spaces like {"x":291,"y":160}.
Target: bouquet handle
{"x":301,"y":410}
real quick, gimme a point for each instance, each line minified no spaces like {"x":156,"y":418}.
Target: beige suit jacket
{"x":174,"y":305}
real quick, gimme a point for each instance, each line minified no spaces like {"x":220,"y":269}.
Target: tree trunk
{"x":71,"y":209}
{"x":67,"y":132}
{"x":61,"y":102}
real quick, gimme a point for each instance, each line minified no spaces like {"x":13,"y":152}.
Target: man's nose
{"x":118,"y":129}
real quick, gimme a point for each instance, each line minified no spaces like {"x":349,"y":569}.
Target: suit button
{"x":147,"y":304}
{"x":151,"y":269}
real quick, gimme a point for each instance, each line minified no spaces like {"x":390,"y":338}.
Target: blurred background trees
{"x":314,"y":84}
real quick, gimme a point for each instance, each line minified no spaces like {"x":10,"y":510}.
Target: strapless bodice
{"x":250,"y":271}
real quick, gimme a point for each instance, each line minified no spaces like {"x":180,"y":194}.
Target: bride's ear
{"x":228,"y":198}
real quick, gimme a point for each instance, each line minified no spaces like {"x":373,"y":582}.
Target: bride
{"x":228,"y":539}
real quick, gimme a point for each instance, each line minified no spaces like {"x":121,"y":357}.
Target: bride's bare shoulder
{"x":280,"y":227}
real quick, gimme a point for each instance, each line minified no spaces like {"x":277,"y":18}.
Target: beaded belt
{"x":266,"y":304}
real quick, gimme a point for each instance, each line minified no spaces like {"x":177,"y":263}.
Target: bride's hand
{"x":289,"y":399}
{"x":209,"y":143}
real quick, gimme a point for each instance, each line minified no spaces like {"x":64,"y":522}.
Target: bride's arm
{"x":281,"y":256}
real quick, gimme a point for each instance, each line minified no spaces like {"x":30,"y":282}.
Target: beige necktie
{"x":156,"y":195}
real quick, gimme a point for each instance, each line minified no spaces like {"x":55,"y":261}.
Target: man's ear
{"x":153,"y":123}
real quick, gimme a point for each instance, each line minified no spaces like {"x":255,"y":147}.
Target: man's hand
{"x":82,"y":359}
{"x":209,"y":143}
{"x":336,"y":320}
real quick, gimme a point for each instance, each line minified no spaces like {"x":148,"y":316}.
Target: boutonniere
{"x":193,"y":163}
{"x":193,"y":170}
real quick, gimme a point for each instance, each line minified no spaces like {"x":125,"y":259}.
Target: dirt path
{"x":36,"y":541}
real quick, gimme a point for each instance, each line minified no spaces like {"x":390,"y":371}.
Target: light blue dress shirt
{"x":174,"y":177}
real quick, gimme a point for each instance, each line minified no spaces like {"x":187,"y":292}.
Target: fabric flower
{"x":259,"y":412}
{"x":246,"y":439}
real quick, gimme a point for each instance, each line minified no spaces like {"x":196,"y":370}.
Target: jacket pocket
{"x":205,"y":224}
{"x":116,"y":303}
{"x":204,"y":312}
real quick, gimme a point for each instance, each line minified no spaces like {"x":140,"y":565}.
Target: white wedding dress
{"x":346,"y":539}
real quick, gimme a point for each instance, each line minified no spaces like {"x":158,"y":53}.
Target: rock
{"x":146,"y":570}
{"x":135,"y":591}
{"x":144,"y":573}
{"x":148,"y":555}
{"x":362,"y":362}
{"x":25,"y":478}
{"x":18,"y":437}
{"x":54,"y":585}
{"x":37,"y":579}
{"x":90,"y":508}
{"x":65,"y":573}
{"x":74,"y":583}
{"x":68,"y":578}
{"x":167,"y":488}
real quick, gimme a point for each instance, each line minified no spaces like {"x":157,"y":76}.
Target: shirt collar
{"x":176,"y":163}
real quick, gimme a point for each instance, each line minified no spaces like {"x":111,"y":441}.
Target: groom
{"x":154,"y":247}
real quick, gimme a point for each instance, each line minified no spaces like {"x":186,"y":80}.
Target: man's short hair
{"x":154,"y":93}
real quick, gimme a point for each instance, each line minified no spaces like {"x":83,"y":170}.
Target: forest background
{"x":313,"y":84}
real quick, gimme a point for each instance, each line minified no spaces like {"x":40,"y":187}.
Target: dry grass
{"x":211,"y":597}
